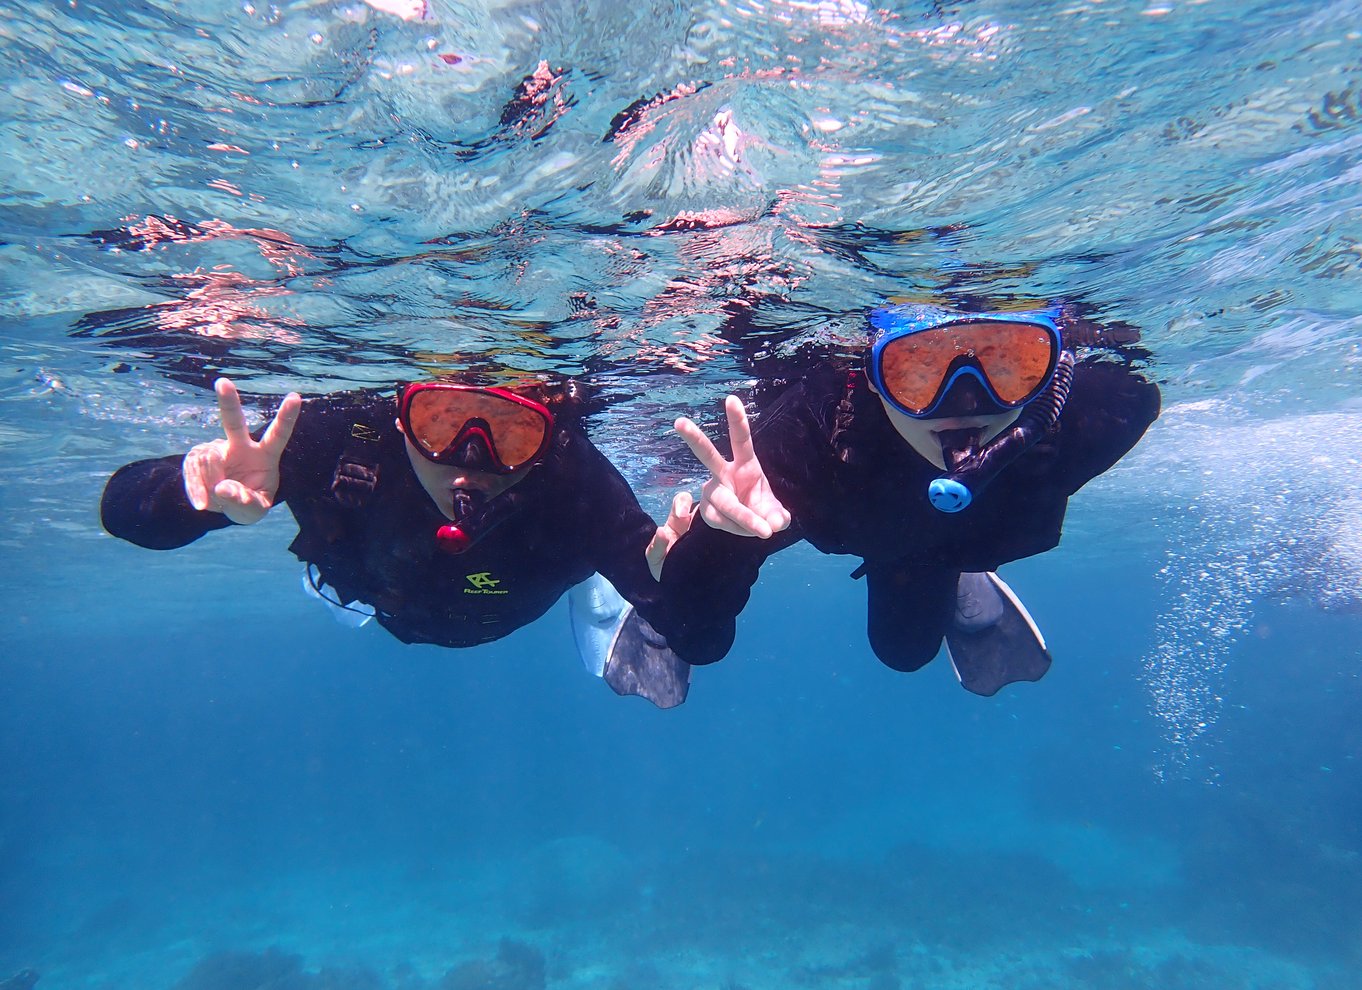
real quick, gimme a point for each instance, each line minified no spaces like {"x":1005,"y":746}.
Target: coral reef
{"x":272,"y":969}
{"x":517,"y":966}
{"x":1118,"y":969}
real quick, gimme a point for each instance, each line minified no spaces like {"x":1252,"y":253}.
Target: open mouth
{"x":958,"y":446}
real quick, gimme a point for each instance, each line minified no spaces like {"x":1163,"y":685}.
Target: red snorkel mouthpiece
{"x":452,"y":537}
{"x":452,"y":540}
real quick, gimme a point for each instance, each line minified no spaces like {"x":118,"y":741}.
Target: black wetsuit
{"x":572,"y":515}
{"x":865,"y":494}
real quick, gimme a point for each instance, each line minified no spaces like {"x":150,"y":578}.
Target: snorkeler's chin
{"x":945,"y":441}
{"x":924,"y":435}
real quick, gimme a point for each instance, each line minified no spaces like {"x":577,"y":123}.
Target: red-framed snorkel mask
{"x":930,"y":362}
{"x":471,"y":426}
{"x":480,"y":429}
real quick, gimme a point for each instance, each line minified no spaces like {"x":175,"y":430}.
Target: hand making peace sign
{"x":236,"y":475}
{"x":737,"y":498}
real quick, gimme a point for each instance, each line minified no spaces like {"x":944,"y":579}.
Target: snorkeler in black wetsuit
{"x":953,"y":452}
{"x":457,"y":525}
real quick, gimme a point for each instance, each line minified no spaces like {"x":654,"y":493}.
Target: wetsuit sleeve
{"x":708,"y":577}
{"x":1109,"y":409}
{"x":145,"y":503}
{"x":618,"y":533}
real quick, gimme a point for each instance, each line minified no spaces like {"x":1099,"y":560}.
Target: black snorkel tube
{"x":970,"y":468}
{"x":475,"y":515}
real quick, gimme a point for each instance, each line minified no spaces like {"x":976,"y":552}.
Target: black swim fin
{"x":617,"y":645}
{"x":993,"y":641}
{"x":640,"y":662}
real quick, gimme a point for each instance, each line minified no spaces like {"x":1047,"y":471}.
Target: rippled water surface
{"x":657,"y":198}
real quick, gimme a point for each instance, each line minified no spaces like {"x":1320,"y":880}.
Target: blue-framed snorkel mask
{"x":929,"y":362}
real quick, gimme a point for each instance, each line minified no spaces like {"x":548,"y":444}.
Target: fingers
{"x":241,"y":504}
{"x":203,"y":470}
{"x":701,"y":446}
{"x":723,"y":510}
{"x":657,"y":550}
{"x":229,"y":409}
{"x":194,"y":488}
{"x":677,"y":526}
{"x":679,"y":519}
{"x":277,"y":436}
{"x":772,"y":510}
{"x":739,"y":431}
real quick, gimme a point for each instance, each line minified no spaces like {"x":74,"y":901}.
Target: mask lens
{"x":912,"y":368}
{"x":437,"y":416}
{"x":1015,"y":358}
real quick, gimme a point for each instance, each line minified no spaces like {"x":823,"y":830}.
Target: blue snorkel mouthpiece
{"x":949,"y":495}
{"x":959,"y":448}
{"x":973,"y":469}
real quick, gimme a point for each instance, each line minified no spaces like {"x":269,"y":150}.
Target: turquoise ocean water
{"x":207,"y":784}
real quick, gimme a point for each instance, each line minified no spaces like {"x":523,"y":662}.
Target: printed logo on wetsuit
{"x":482,"y":583}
